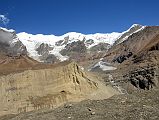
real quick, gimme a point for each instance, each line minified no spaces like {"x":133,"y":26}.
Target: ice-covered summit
{"x":32,"y":42}
{"x":43,"y":47}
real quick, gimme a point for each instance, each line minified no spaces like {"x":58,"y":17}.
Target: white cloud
{"x":4,"y":20}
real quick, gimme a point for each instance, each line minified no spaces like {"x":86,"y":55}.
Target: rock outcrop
{"x":48,"y":88}
{"x":44,"y":53}
{"x":44,"y":48}
{"x":145,"y":78}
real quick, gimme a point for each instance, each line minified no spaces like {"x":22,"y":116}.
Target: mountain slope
{"x":13,"y":54}
{"x":137,"y":43}
{"x":133,"y":29}
{"x":136,"y":60}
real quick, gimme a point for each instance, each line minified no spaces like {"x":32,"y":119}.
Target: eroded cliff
{"x":48,"y":88}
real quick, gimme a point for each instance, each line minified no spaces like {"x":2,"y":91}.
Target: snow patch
{"x":105,"y":66}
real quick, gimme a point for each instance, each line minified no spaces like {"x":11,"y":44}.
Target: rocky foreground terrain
{"x":142,"y":105}
{"x":97,"y":81}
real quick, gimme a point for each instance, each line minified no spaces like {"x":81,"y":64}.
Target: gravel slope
{"x":142,"y":105}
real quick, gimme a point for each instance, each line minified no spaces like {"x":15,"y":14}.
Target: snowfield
{"x":104,"y":66}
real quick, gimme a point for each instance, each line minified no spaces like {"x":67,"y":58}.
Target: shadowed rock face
{"x":44,"y":48}
{"x":47,"y":88}
{"x":49,"y":58}
{"x":76,"y":51}
{"x":10,"y":44}
{"x":45,"y":56}
{"x":89,"y":42}
{"x":143,"y":78}
{"x":62,"y":42}
{"x":77,"y":47}
{"x":17,"y":48}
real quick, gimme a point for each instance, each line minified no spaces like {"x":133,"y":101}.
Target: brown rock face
{"x":137,"y":43}
{"x":48,"y":88}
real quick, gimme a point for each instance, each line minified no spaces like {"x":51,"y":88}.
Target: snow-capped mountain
{"x":32,"y":42}
{"x":47,"y":48}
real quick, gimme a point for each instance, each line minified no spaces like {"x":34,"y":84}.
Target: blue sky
{"x":85,"y":16}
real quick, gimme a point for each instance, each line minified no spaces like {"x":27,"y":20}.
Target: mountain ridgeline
{"x":76,"y":46}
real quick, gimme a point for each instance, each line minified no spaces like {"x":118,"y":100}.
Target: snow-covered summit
{"x":102,"y":37}
{"x":52,"y":39}
{"x":58,"y":43}
{"x":33,"y":41}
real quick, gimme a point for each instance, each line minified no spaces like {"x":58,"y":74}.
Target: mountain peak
{"x":7,"y":30}
{"x":135,"y":25}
